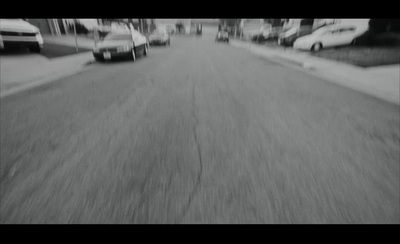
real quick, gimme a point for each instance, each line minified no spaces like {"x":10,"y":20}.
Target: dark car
{"x":118,"y":45}
{"x":289,"y":37}
{"x":222,"y":36}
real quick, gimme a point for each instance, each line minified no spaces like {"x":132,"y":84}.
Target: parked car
{"x":288,"y":37}
{"x":19,"y":33}
{"x":222,"y":36}
{"x":118,"y":45}
{"x":327,"y":36}
{"x":159,"y":36}
{"x":267,"y":34}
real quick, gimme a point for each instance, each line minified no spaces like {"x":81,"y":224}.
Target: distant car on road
{"x":159,"y":36}
{"x":327,"y":36}
{"x":222,"y":36}
{"x":117,"y":45}
{"x":19,"y":33}
{"x":288,"y":37}
{"x":170,"y":29}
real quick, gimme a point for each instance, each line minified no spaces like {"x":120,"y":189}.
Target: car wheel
{"x":316,"y":47}
{"x":145,"y":50}
{"x":35,"y":49}
{"x":133,"y":54}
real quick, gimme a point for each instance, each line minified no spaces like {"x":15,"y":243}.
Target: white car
{"x":327,"y":36}
{"x":121,"y":44}
{"x":17,"y":33}
{"x":159,"y":36}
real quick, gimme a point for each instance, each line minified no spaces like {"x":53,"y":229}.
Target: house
{"x":50,"y":26}
{"x":182,"y":26}
{"x":250,"y":27}
{"x":59,"y":27}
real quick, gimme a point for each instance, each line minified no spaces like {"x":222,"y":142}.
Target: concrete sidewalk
{"x":25,"y":71}
{"x":69,"y":40}
{"x":382,"y":82}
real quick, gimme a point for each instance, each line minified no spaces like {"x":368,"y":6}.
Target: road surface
{"x":198,"y":132}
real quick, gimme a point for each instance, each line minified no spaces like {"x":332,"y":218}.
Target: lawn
{"x":362,"y":56}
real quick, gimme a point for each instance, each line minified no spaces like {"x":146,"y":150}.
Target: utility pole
{"x":76,"y":38}
{"x":141,"y":25}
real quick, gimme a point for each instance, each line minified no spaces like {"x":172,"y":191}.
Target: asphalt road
{"x":198,"y":132}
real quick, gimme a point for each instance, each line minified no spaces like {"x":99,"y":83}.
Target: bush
{"x":80,"y":28}
{"x":384,"y":25}
{"x":307,"y":22}
{"x":378,"y":25}
{"x":371,"y":38}
{"x":395,"y":25}
{"x":365,"y":39}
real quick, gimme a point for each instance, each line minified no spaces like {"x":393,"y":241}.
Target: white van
{"x":17,"y":33}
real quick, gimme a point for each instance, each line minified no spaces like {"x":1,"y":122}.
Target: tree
{"x":179,"y":27}
{"x":80,"y":28}
{"x":230,"y":22}
{"x":307,"y":22}
{"x":384,"y":25}
{"x":109,"y":21}
{"x":274,"y":22}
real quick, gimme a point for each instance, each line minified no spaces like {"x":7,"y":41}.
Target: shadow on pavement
{"x":55,"y":50}
{"x":49,"y":51}
{"x":14,"y":52}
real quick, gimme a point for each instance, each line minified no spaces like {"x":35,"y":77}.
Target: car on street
{"x":121,"y":44}
{"x":159,"y":37}
{"x":222,"y":36}
{"x":16,"y":33}
{"x":327,"y":36}
{"x":288,"y":37}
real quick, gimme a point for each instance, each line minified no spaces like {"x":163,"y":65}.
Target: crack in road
{"x":195,"y":190}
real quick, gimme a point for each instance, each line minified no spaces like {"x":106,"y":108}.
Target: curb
{"x":274,"y":57}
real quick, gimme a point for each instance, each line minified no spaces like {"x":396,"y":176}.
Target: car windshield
{"x":118,"y":37}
